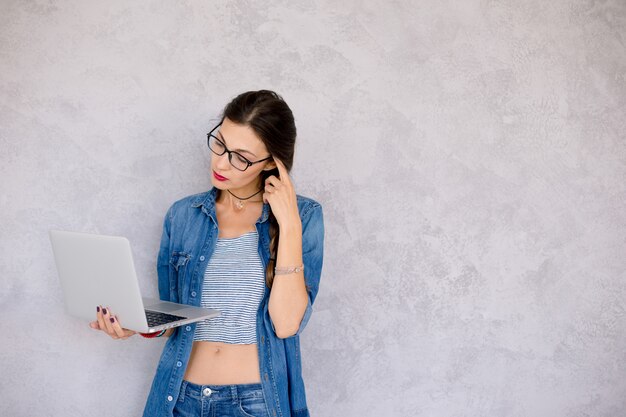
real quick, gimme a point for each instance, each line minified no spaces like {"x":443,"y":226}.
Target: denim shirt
{"x":190,"y":232}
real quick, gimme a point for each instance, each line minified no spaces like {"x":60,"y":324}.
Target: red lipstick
{"x":218,"y":177}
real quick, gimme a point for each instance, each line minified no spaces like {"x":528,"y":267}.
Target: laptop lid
{"x":98,"y":270}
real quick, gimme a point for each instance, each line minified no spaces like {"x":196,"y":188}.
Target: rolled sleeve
{"x":312,"y":257}
{"x":306,"y":317}
{"x":163,"y":259}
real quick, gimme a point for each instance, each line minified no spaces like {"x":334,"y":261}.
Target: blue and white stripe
{"x":234,"y":283}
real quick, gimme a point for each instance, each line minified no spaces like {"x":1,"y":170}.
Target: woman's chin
{"x":218,"y":184}
{"x":220,"y":187}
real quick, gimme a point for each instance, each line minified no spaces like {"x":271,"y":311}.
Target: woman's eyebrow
{"x":236,"y":150}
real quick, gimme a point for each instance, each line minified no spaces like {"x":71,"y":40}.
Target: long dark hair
{"x":270,"y":117}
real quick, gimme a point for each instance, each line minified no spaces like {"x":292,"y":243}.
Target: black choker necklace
{"x":239,"y":204}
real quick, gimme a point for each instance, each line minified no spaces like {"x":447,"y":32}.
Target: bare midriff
{"x":217,"y":363}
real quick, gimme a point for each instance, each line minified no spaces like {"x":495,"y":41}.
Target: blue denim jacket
{"x":190,"y":231}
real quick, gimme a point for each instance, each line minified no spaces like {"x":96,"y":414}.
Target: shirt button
{"x":170,"y":398}
{"x":179,"y":364}
{"x":188,"y":328}
{"x":206,"y":392}
{"x":193,"y":293}
{"x":202,"y":258}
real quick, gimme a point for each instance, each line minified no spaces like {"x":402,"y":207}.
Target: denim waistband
{"x":221,"y":392}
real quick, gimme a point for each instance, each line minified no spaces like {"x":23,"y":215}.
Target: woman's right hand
{"x":108,"y":323}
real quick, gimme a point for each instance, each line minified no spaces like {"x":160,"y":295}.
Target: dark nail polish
{"x":104,"y":311}
{"x":98,"y":309}
{"x":112,"y":319}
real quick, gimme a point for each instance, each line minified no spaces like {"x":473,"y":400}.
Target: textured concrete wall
{"x":470,"y":157}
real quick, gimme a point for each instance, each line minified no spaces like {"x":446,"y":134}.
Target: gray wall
{"x":470,"y":157}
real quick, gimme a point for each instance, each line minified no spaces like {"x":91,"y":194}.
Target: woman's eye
{"x":241,"y":159}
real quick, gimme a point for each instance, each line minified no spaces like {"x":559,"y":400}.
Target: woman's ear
{"x":270,"y":166}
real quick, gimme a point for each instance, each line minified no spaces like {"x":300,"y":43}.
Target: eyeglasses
{"x":236,"y":159}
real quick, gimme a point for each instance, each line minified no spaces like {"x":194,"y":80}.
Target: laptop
{"x":97,"y":270}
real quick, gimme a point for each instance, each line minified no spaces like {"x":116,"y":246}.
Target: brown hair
{"x":272,"y":120}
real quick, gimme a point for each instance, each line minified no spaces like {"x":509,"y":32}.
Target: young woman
{"x":251,"y":248}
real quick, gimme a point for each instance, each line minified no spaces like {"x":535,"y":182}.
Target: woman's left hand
{"x":281,"y":196}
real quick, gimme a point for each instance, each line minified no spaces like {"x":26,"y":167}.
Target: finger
{"x":94,"y":325}
{"x":273,"y":180}
{"x":117,"y":328}
{"x":269,"y":188}
{"x":282,"y":170}
{"x":107,"y":322}
{"x":100,"y":317}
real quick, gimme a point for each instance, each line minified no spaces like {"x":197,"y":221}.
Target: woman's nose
{"x":222,"y":163}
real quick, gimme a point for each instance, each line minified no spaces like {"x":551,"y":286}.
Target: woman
{"x":251,"y":248}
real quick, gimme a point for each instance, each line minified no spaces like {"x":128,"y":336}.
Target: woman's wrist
{"x":288,"y":270}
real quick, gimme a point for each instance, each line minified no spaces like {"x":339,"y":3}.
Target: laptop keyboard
{"x":156,"y":318}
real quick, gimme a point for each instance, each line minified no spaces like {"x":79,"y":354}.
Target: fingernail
{"x":112,"y":319}
{"x":104,"y":311}
{"x":98,"y":309}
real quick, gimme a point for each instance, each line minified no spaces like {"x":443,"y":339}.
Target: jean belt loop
{"x":234,"y":394}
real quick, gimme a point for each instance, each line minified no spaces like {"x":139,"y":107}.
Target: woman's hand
{"x":281,"y":196}
{"x":108,"y":323}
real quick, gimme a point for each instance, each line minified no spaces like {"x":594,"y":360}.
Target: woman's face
{"x":244,"y":141}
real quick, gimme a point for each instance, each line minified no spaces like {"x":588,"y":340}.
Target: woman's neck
{"x":235,"y":198}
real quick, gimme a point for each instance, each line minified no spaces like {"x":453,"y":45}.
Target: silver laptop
{"x":97,"y":270}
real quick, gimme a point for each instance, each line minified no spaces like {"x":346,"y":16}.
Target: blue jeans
{"x":245,"y":400}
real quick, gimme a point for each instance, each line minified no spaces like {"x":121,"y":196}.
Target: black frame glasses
{"x":230,"y":153}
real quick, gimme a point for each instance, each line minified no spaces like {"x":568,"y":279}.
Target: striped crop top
{"x":234,"y":284}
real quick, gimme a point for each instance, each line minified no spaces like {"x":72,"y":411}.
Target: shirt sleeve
{"x":163,"y":259}
{"x":312,"y":257}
